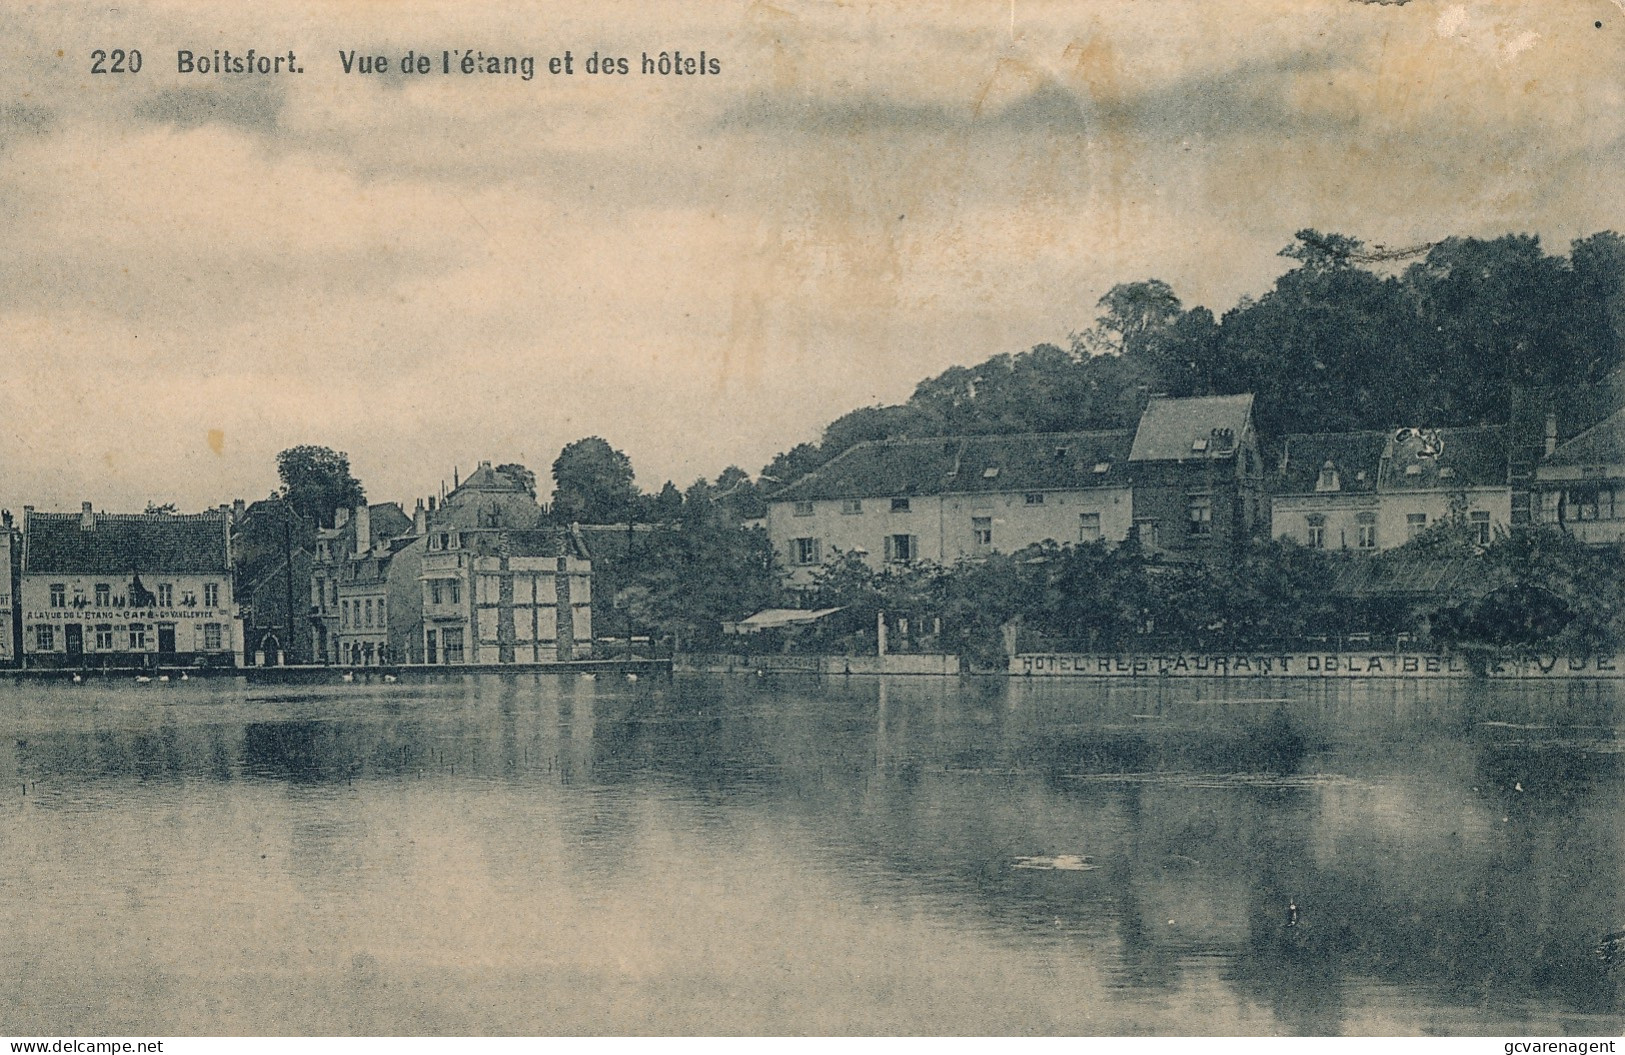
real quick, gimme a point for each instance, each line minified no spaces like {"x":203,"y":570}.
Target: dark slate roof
{"x":1170,"y":429}
{"x":55,"y":543}
{"x":1350,"y":453}
{"x":1602,"y":444}
{"x":388,"y":520}
{"x":1053,"y":461}
{"x":1470,"y":457}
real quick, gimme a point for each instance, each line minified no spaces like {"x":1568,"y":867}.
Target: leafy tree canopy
{"x":593,"y":483}
{"x":316,"y":481}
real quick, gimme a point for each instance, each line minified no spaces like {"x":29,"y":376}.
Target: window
{"x":456,"y":590}
{"x":900,"y":549}
{"x":166,"y":595}
{"x":344,"y":613}
{"x":982,"y":530}
{"x":1590,"y":504}
{"x":1317,"y":531}
{"x":1199,"y":515}
{"x":211,"y":637}
{"x":430,"y":646}
{"x":1478,"y":522}
{"x":899,"y":505}
{"x":1198,"y":445}
{"x":851,"y":506}
{"x":434,"y":591}
{"x":1102,"y":468}
{"x":804,"y":509}
{"x":104,"y":595}
{"x":452,"y":638}
{"x":1088,"y":527}
{"x":138,"y":637}
{"x":368,"y":609}
{"x":45,"y":637}
{"x":104,"y":637}
{"x":990,"y":473}
{"x":1148,"y":533}
{"x":211,"y":595}
{"x":804,"y":550}
{"x":1329,"y":480}
{"x":59,"y":595}
{"x":1034,"y":498}
{"x":1415,"y":524}
{"x":1365,"y":530}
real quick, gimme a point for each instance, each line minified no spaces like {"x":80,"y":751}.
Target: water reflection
{"x":835,"y":856}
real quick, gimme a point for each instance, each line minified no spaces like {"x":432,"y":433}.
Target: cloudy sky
{"x":197,"y":272}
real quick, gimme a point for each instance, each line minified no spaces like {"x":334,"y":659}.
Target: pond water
{"x":553,"y":854}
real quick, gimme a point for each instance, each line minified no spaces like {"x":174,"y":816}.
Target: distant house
{"x":348,"y":582}
{"x":128,"y":590}
{"x":1376,"y":490}
{"x":1197,"y":475}
{"x":898,"y":502}
{"x":1580,"y":485}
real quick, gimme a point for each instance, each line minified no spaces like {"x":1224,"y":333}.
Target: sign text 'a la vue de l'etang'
{"x":1311,"y":665}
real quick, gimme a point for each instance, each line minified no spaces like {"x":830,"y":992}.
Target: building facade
{"x":127,"y":590}
{"x":1376,"y":490}
{"x":900,"y":502}
{"x":1197,"y":476}
{"x":1579,"y":486}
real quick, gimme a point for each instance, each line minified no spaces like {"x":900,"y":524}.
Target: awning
{"x":770,"y":618}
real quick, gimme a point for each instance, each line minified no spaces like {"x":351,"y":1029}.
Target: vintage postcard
{"x":963,"y":517}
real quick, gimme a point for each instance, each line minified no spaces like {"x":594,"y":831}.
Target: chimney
{"x":237,"y":507}
{"x":363,"y":530}
{"x":1551,"y":435}
{"x":87,"y":518}
{"x":431,"y":503}
{"x":341,"y":517}
{"x":420,"y":519}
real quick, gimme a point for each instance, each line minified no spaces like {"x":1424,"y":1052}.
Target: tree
{"x":316,"y":481}
{"x":668,"y":504}
{"x":593,"y":483}
{"x":167,"y":508}
{"x":520,"y":473}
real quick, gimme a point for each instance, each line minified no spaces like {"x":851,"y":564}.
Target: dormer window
{"x":1198,"y":445}
{"x":1102,"y":468}
{"x":1329,"y":479}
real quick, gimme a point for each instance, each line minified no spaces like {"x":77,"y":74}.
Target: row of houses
{"x":1190,"y":481}
{"x":477,"y":575}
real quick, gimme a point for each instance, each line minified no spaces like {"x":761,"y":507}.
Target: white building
{"x":897,"y":502}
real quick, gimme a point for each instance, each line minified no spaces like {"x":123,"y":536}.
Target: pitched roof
{"x":1602,"y":444}
{"x":486,"y":478}
{"x":968,"y":464}
{"x":118,"y":544}
{"x":1433,"y":459}
{"x":1446,"y":580}
{"x":1184,"y":429}
{"x":1357,"y":457}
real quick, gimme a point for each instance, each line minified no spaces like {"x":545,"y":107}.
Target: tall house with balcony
{"x":899,"y":502}
{"x":496,"y":583}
